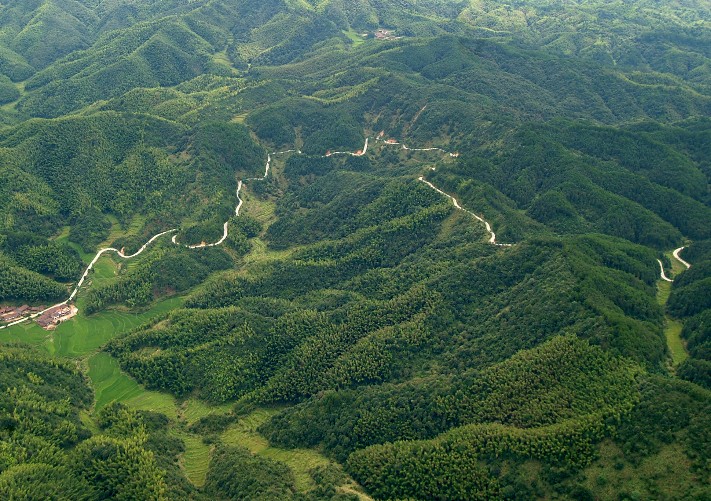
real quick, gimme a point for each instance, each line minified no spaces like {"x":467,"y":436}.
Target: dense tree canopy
{"x":355,"y":331}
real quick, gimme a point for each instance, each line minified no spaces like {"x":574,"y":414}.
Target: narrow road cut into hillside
{"x":225,"y":233}
{"x":678,"y":257}
{"x":672,"y":327}
{"x":661,"y":272}
{"x":675,"y":253}
{"x":492,"y":235}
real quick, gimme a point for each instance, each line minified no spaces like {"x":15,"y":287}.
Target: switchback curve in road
{"x":678,"y":257}
{"x":225,"y":233}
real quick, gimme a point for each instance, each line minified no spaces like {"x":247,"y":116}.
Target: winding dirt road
{"x":225,"y":232}
{"x":358,"y":153}
{"x":661,"y":272}
{"x":492,"y":238}
{"x":678,"y":257}
{"x":101,"y":252}
{"x":121,"y":254}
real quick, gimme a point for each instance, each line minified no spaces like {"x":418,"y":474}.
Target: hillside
{"x":355,"y":250}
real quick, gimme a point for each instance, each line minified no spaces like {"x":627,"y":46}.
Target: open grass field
{"x":195,"y":461}
{"x":112,"y":385}
{"x":672,"y":328}
{"x":672,"y":331}
{"x":663,"y":291}
{"x":105,"y":270}
{"x":83,"y":334}
{"x":356,"y":38}
{"x":192,"y":410}
{"x":244,"y":434}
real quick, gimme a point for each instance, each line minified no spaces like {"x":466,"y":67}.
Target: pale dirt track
{"x":240,"y":184}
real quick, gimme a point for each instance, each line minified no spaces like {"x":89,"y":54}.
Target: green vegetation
{"x":111,"y":385}
{"x":672,"y":327}
{"x":237,"y":474}
{"x":174,"y":271}
{"x":356,"y":332}
{"x":689,"y":303}
{"x":46,"y":448}
{"x":301,"y":461}
{"x":672,"y":330}
{"x":195,"y":460}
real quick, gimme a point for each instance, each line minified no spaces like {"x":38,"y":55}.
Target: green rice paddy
{"x":195,"y":461}
{"x":301,"y":461}
{"x":83,"y":335}
{"x":356,"y":38}
{"x":113,"y":385}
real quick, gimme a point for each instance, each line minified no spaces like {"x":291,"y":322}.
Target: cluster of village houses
{"x":47,"y":320}
{"x":383,"y":34}
{"x":10,"y":313}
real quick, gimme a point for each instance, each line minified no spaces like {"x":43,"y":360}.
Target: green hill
{"x":466,"y":305}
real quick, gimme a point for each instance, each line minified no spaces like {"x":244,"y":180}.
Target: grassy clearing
{"x":260,"y":253}
{"x":112,"y":385}
{"x":672,"y":328}
{"x":87,"y":421}
{"x":261,"y":210}
{"x":672,"y":331}
{"x":240,"y":118}
{"x":104,"y":271}
{"x":676,"y":266}
{"x":301,"y":461}
{"x":192,"y":410}
{"x":195,"y":461}
{"x":663,"y":291}
{"x":354,"y":37}
{"x":223,"y":59}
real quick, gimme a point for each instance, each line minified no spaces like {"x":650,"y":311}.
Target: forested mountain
{"x":505,"y":294}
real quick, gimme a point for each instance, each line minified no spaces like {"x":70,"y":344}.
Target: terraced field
{"x":112,"y":385}
{"x":83,"y":334}
{"x":195,"y":461}
{"x":244,"y":434}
